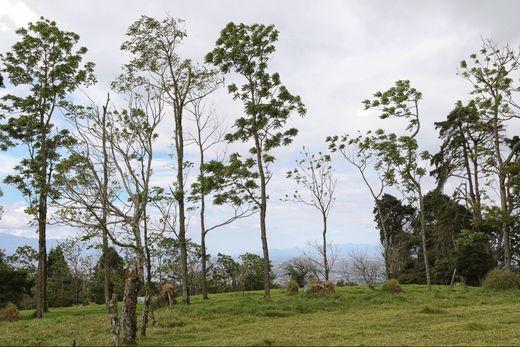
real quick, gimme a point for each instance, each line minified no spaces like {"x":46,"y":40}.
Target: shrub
{"x":501,"y":280}
{"x":315,"y":287}
{"x":166,"y":295}
{"x":9,"y":313}
{"x":329,"y":288}
{"x":292,"y":287}
{"x":392,"y":286}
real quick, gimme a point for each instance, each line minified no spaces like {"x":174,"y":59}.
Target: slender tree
{"x":48,"y":61}
{"x":84,"y":179}
{"x":245,"y":50}
{"x":208,"y":135}
{"x":182,"y":83}
{"x":405,"y":163}
{"x":360,"y":153}
{"x":315,"y":174}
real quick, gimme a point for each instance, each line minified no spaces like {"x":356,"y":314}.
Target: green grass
{"x":354,"y":316}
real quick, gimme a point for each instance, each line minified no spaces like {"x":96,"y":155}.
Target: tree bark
{"x":263,"y":214}
{"x":203,"y":226}
{"x":114,"y":316}
{"x":104,"y":206}
{"x":41,"y":286}
{"x":325,"y":260}
{"x":179,"y":144}
{"x":129,"y":316}
{"x":423,"y":238}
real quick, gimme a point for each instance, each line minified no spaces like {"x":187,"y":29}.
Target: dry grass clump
{"x":9,"y":313}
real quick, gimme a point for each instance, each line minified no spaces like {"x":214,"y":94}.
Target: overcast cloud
{"x":332,"y":53}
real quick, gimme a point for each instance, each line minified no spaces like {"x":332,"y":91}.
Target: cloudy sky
{"x":332,"y":53}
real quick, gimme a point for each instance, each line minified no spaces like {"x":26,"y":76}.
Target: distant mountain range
{"x":9,"y":243}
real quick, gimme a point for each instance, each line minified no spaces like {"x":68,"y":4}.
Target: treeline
{"x":98,"y":171}
{"x":77,"y":278}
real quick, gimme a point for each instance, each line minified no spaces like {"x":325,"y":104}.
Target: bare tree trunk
{"x":325,"y":261}
{"x":41,"y":286}
{"x":104,"y":203}
{"x":42,"y":272}
{"x":146,"y":309}
{"x":423,"y":238}
{"x":203,"y":227}
{"x":114,"y":315}
{"x":148,"y":282}
{"x":129,"y":315}
{"x":263,"y":235}
{"x":203,"y":267}
{"x":386,"y":243}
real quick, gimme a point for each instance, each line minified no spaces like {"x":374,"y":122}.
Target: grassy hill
{"x":355,"y":315}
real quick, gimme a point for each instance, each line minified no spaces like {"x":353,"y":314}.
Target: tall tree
{"x":214,"y":178}
{"x":463,"y":154}
{"x":182,"y":82}
{"x":360,"y":153}
{"x":245,"y":50}
{"x":493,"y":73}
{"x":406,"y":168}
{"x":86,"y":180}
{"x":48,"y":61}
{"x":315,"y":174}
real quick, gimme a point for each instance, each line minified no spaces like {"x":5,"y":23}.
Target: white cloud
{"x":14,"y":14}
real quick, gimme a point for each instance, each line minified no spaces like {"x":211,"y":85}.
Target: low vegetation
{"x":501,"y":280}
{"x":354,"y":315}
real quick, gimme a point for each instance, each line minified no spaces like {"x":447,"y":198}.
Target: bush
{"x":501,"y":280}
{"x":315,"y":287}
{"x":392,"y":286}
{"x":9,"y":313}
{"x":329,"y":288}
{"x":292,"y":287}
{"x":166,"y":295}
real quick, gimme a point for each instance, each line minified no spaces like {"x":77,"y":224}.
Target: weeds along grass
{"x":353,"y":316}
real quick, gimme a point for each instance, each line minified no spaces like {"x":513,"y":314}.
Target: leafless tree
{"x":316,"y":175}
{"x":369,"y":269}
{"x":317,"y":253}
{"x":209,"y":135}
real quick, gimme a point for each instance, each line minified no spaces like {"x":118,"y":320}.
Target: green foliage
{"x":233,"y":183}
{"x":392,"y":286}
{"x":46,"y":60}
{"x":473,"y":260}
{"x":224,"y":274}
{"x":60,"y":288}
{"x":9,"y":313}
{"x":501,"y":280}
{"x":117,"y":276}
{"x":245,"y":50}
{"x":252,"y":272}
{"x":292,"y":287}
{"x":14,"y":283}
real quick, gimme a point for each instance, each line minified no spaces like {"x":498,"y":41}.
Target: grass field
{"x":354,"y":316}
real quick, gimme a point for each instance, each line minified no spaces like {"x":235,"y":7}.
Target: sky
{"x":334,"y":54}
